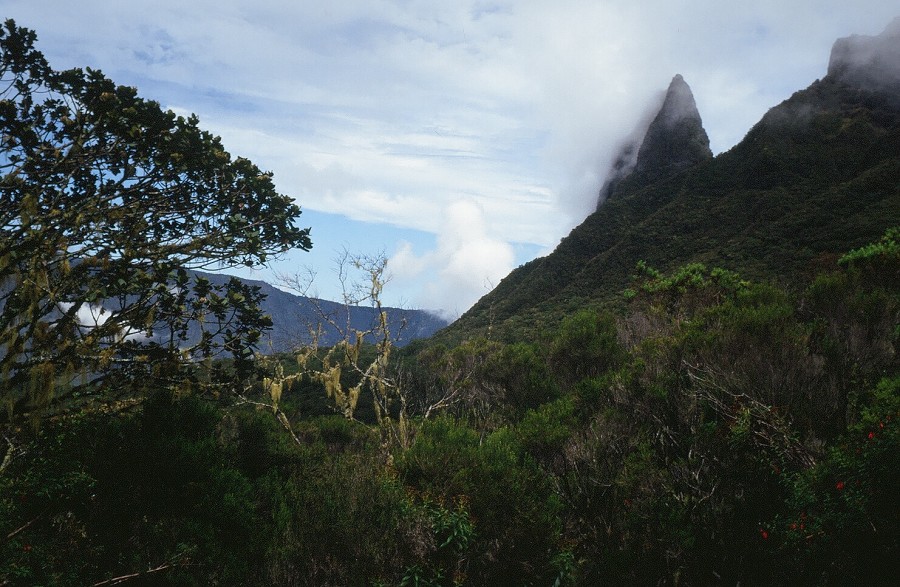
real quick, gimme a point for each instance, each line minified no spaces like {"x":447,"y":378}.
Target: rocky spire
{"x":867,"y":62}
{"x":675,"y":140}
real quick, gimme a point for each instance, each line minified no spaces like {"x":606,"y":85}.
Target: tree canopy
{"x":107,"y":202}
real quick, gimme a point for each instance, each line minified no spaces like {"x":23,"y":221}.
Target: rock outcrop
{"x":816,"y":177}
{"x":674,"y":141}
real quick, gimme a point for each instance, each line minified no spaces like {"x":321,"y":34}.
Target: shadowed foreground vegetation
{"x":719,"y":431}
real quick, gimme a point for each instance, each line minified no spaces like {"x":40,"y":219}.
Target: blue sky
{"x":460,"y":139}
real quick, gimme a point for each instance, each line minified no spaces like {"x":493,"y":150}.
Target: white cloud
{"x":467,"y":262}
{"x":87,"y":316}
{"x":90,"y":316}
{"x":405,"y":265}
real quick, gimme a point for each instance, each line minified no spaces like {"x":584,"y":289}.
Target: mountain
{"x":871,"y":63}
{"x":293,"y":316}
{"x":674,"y":141}
{"x":817,"y":176}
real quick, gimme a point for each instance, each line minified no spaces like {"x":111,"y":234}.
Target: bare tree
{"x":362,"y":279}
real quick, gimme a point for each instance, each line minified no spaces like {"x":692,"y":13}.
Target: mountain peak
{"x":674,"y":140}
{"x":815,"y":177}
{"x":868,"y":62}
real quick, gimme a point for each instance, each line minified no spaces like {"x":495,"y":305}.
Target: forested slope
{"x":816,"y":176}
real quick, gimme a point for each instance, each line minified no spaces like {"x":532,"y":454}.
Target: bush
{"x":586,"y":345}
{"x":842,"y":524}
{"x":131,"y":493}
{"x":511,"y":503}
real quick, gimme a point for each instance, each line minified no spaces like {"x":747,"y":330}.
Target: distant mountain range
{"x":294,"y":317}
{"x":817,"y":176}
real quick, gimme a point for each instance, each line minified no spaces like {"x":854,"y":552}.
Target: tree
{"x":107,"y":202}
{"x":361,"y":359}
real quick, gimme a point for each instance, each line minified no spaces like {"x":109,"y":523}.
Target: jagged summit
{"x":674,"y":140}
{"x":868,"y":62}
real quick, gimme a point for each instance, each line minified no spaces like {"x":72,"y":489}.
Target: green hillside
{"x":816,"y":176}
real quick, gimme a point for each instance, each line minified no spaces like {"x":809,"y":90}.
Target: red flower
{"x":793,"y":525}
{"x":764,"y":534}
{"x":26,"y":548}
{"x":871,"y":435}
{"x":839,"y":485}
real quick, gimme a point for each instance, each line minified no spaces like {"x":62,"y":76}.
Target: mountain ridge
{"x":868,"y":62}
{"x":815,"y":177}
{"x":295,"y":317}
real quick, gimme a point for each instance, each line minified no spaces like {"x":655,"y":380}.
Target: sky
{"x":458,"y":139}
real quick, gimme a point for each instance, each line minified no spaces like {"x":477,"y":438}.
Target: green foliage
{"x":453,"y":532}
{"x":678,"y":464}
{"x":722,"y":431}
{"x":108,"y":202}
{"x":697,"y":426}
{"x":522,"y":373}
{"x":887,"y":248}
{"x":486,"y":382}
{"x":127,"y":495}
{"x":338,"y":520}
{"x":855,"y":312}
{"x":842,"y":520}
{"x":544,"y":431}
{"x":509,"y":501}
{"x":876,"y":264}
{"x":208,"y":497}
{"x":585,"y":346}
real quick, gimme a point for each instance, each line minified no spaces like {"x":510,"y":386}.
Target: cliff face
{"x":674,"y":141}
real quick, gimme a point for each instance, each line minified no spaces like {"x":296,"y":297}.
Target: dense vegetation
{"x":719,"y":431}
{"x":702,"y":427}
